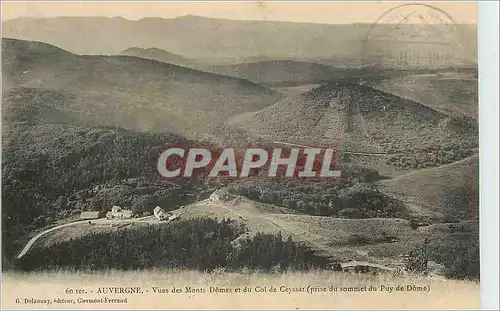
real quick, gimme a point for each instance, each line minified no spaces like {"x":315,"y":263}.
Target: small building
{"x":125,"y":214}
{"x":172,"y":217}
{"x":159,"y":213}
{"x":118,"y":212}
{"x":364,"y":267}
{"x":89,"y":215}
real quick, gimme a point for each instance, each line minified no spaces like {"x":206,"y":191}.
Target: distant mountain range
{"x":214,"y":40}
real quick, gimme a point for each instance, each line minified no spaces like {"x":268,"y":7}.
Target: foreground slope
{"x":374,"y":240}
{"x":333,"y":238}
{"x":383,"y":241}
{"x":447,"y":193}
{"x":124,"y":91}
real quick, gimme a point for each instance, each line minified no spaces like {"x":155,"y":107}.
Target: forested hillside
{"x":202,"y":244}
{"x":124,"y":91}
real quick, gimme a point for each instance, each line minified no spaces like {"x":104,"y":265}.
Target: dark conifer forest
{"x":201,"y":244}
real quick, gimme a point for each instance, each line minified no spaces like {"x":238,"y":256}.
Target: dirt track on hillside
{"x":101,"y":221}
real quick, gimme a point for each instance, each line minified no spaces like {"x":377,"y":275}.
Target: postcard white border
{"x":488,"y":145}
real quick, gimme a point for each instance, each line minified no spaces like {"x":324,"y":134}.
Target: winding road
{"x":100,"y":221}
{"x":151,"y":219}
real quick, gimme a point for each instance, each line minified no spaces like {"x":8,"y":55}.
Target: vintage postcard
{"x":236,"y":155}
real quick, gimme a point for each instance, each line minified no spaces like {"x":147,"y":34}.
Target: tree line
{"x":201,"y":244}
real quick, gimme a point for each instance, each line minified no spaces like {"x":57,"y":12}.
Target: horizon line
{"x":204,"y":17}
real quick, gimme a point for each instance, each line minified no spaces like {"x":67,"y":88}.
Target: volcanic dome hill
{"x":361,"y":119}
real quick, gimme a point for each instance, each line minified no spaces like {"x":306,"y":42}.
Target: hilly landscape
{"x":279,"y":73}
{"x":365,"y":120}
{"x":159,"y":55}
{"x":215,"y":40}
{"x":454,"y":93}
{"x":449,"y":193}
{"x":84,"y":121}
{"x":129,"y":92}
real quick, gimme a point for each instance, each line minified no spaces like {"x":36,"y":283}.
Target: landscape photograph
{"x":93,"y":93}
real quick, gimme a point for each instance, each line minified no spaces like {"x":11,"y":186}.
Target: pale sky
{"x":316,"y":12}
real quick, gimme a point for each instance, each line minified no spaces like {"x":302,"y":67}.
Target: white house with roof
{"x":119,"y":212}
{"x":159,"y":213}
{"x":89,"y":215}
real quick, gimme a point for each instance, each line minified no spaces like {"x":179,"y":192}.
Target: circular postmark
{"x":415,"y":35}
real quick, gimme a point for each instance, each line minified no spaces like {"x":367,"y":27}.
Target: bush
{"x":202,"y":244}
{"x":75,"y":168}
{"x":457,"y":250}
{"x":417,"y":260}
{"x":340,"y":199}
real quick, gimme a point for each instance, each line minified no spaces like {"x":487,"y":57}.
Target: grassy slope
{"x":379,"y":240}
{"x":447,"y":193}
{"x":285,"y":72}
{"x":379,"y":121}
{"x":374,"y":240}
{"x":158,"y":55}
{"x":453,"y":93}
{"x":124,"y":91}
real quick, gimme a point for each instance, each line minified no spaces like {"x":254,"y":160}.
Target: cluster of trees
{"x":344,"y":199}
{"x":444,"y":154}
{"x":458,"y":252}
{"x":202,"y":244}
{"x":69,"y":169}
{"x":52,"y":171}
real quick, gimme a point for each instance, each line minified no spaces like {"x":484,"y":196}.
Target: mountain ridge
{"x":112,"y":90}
{"x":200,"y":37}
{"x":158,"y":55}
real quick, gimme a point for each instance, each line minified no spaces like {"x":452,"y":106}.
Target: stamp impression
{"x":415,"y":35}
